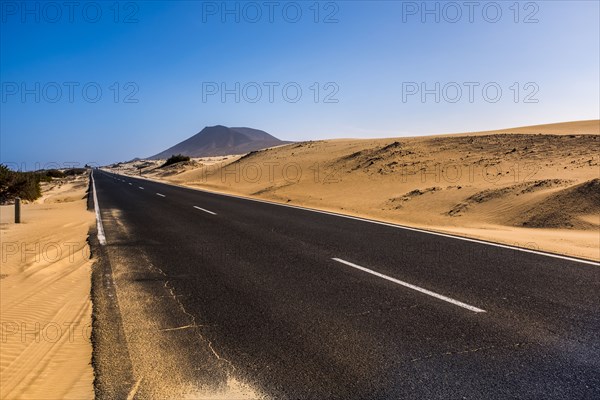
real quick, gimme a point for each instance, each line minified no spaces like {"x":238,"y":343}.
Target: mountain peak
{"x":220,"y":140}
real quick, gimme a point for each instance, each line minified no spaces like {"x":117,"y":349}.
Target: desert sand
{"x":535,"y":187}
{"x":45,"y":307}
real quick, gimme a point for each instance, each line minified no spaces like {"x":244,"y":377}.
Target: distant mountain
{"x":220,"y":141}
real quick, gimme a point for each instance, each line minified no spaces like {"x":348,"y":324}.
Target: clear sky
{"x":99,"y":82}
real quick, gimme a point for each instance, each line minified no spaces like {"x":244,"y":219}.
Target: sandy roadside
{"x":45,"y":307}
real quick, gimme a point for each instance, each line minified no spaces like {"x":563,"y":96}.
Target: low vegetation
{"x":55,"y":173}
{"x":26,"y":185}
{"x":174,"y":159}
{"x":75,"y":171}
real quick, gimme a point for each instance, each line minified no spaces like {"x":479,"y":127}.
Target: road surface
{"x":201,"y":293}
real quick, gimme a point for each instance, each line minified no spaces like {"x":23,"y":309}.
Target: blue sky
{"x":161,"y":69}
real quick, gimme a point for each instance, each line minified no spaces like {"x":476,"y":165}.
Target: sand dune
{"x":531,"y":187}
{"x":45,"y":297}
{"x":574,"y":207}
{"x":587,"y":127}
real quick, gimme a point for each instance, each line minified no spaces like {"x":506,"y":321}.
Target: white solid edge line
{"x":398,"y":226}
{"x":160,"y":194}
{"x":202,"y":209}
{"x":99,"y":227}
{"x":410,"y":286}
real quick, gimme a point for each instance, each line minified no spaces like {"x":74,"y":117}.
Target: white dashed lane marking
{"x":410,"y":286}
{"x":202,"y":209}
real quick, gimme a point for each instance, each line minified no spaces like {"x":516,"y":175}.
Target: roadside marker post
{"x":17,"y":210}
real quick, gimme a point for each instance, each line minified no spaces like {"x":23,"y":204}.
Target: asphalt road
{"x":217,"y":292}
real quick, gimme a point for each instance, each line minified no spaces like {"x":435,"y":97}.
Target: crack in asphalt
{"x":193,"y":323}
{"x":453,"y":353}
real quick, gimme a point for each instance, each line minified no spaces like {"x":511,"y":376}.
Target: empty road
{"x":201,"y":293}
